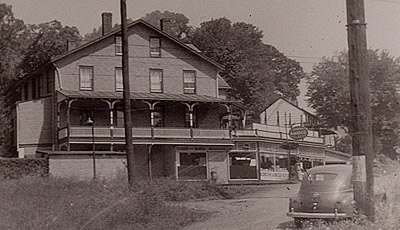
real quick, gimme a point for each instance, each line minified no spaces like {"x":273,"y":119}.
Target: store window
{"x":243,"y":165}
{"x":192,"y":166}
{"x":267,"y":162}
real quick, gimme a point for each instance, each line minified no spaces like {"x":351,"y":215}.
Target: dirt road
{"x":263,"y":210}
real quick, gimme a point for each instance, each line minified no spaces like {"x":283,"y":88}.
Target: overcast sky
{"x":305,"y":30}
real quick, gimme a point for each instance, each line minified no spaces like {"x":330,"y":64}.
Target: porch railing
{"x":143,"y":132}
{"x":184,"y":133}
{"x":274,"y":134}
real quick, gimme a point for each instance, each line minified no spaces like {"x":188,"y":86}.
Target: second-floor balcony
{"x":282,"y":133}
{"x":143,"y":133}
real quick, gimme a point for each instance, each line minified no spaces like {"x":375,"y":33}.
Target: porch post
{"x":229,"y":110}
{"x":112,"y":123}
{"x":69,"y":123}
{"x":151,"y":105}
{"x":191,"y":124}
{"x":110,"y":107}
{"x":58,"y":124}
{"x":150,"y":167}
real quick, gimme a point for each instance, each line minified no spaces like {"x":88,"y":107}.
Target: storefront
{"x":267,"y":161}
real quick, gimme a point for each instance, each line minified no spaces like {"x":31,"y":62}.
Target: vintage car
{"x":326,"y":192}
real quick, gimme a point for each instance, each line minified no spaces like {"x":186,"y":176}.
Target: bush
{"x":12,"y":168}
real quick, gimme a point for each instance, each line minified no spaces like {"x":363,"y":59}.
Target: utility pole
{"x":126,"y":94}
{"x":361,"y":131}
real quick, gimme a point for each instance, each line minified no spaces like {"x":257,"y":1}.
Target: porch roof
{"x":146,"y":96}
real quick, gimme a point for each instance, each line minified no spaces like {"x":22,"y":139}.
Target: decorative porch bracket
{"x":190,"y":107}
{"x":229,"y":111}
{"x":152,"y":105}
{"x":111,"y":108}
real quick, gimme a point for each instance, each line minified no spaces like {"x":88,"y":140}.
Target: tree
{"x":329,"y":94}
{"x":175,"y":24}
{"x":253,"y":69}
{"x":13,"y":33}
{"x":23,"y":48}
{"x":47,"y":40}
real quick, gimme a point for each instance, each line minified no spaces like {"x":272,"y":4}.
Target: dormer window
{"x":155,"y":47}
{"x":118,"y":45}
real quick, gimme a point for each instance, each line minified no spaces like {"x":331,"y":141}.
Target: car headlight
{"x":293,"y":204}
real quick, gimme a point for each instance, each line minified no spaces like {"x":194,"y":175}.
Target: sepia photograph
{"x":200,"y":115}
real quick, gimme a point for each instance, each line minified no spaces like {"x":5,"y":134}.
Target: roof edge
{"x":130,"y":25}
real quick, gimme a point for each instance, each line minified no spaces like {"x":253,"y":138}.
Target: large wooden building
{"x":182,"y":118}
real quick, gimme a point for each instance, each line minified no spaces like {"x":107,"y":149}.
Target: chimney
{"x":106,"y":25}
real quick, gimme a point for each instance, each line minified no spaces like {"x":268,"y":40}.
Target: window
{"x":187,"y":117}
{"x":86,"y":77}
{"x":118,"y":79}
{"x":189,"y":82}
{"x":192,"y":166}
{"x":34,"y":95}
{"x":118,"y":45}
{"x":26,"y":91}
{"x":48,"y":82}
{"x":155,"y":47}
{"x":156,"y":80}
{"x":243,"y":165}
{"x":324,"y":176}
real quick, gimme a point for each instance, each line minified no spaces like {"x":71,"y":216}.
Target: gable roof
{"x":191,"y":49}
{"x":281,"y":98}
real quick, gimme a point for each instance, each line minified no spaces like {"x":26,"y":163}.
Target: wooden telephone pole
{"x":361,"y":131}
{"x":126,"y":94}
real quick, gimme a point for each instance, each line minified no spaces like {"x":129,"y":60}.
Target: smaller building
{"x":265,"y":151}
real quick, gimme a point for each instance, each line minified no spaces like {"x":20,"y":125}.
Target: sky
{"x":304,"y":30}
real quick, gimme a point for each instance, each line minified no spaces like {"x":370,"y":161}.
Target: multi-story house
{"x":71,"y":111}
{"x":177,"y":109}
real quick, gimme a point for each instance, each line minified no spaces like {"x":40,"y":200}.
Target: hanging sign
{"x":297,"y":133}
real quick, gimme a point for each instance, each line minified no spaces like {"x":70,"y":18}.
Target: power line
{"x":386,"y":1}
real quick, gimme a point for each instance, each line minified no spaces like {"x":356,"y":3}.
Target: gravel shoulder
{"x":265,"y":209}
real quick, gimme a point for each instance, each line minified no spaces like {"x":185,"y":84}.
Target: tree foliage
{"x":254,"y":70}
{"x":12,"y":39}
{"x":23,"y":48}
{"x":175,"y":24}
{"x":329,"y":93}
{"x":47,"y":40}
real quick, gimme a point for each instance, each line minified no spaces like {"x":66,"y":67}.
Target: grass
{"x":54,"y":203}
